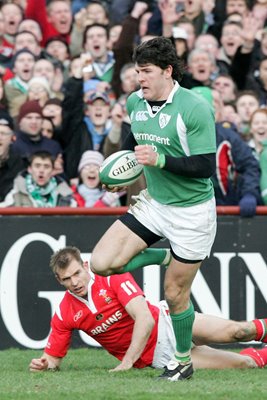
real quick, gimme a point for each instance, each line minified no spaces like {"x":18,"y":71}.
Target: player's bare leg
{"x":221,"y":330}
{"x":121,"y":250}
{"x":116,"y":247}
{"x":177,"y":285}
{"x":210,"y":329}
{"x":207,"y":357}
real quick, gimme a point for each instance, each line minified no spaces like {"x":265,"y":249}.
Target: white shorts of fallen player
{"x":165,"y":347}
{"x":190,"y":230}
{"x":166,"y":342}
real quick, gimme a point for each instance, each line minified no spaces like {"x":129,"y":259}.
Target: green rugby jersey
{"x":183,"y":126}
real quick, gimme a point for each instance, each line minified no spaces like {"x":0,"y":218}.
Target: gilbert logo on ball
{"x":120,"y":169}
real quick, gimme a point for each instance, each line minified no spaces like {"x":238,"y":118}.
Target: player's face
{"x":74,"y":278}
{"x":154,"y":81}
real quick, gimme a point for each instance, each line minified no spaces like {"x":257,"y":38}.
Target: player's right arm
{"x":144,"y":322}
{"x":58,"y":340}
{"x":44,"y":363}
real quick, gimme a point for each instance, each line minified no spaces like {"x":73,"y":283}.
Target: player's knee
{"x":98,"y":265}
{"x":103,"y":266}
{"x":239,"y":332}
{"x":174,"y":296}
{"x":99,"y":271}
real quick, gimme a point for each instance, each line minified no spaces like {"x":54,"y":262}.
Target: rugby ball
{"x":120,"y":169}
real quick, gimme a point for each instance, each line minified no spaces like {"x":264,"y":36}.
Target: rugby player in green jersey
{"x":173,"y":136}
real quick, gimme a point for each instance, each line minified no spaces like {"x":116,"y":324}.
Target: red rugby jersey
{"x":103,"y":317}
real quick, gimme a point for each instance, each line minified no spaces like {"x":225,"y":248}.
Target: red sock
{"x":261,"y":328}
{"x":259,"y":356}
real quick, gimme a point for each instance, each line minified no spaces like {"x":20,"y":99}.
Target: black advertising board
{"x":231,"y":283}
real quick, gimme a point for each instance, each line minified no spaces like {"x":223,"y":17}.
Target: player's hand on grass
{"x":38,"y":364}
{"x":123,"y":366}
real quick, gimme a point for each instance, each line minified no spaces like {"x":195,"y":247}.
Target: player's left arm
{"x":144,"y":322}
{"x":195,"y":166}
{"x":200,"y":156}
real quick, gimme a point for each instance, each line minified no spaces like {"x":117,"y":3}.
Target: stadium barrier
{"x":231,"y":283}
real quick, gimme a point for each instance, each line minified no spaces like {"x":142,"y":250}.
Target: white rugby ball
{"x":120,"y":169}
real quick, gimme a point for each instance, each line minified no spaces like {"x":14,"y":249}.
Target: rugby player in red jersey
{"x":114,"y":312}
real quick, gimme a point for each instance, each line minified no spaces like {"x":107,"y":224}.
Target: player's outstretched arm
{"x":46,"y":362}
{"x":138,"y":309}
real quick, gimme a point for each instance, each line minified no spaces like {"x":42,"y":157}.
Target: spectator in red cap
{"x":29,"y":139}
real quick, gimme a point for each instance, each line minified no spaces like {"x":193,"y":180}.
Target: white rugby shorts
{"x":190,"y":230}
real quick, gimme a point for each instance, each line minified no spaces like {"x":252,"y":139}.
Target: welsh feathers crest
{"x":164,"y":120}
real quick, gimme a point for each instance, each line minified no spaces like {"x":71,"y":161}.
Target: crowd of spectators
{"x":66,"y":71}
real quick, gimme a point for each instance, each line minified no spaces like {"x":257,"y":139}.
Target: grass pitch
{"x":85,"y":375}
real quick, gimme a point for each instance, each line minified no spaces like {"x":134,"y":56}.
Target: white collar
{"x":171,"y":94}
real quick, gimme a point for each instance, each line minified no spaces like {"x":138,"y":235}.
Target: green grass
{"x":84,"y":376}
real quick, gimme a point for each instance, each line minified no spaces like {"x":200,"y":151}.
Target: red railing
{"x":63,"y":211}
{"x":221,"y":210}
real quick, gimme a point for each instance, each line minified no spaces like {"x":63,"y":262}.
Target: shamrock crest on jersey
{"x":164,"y":120}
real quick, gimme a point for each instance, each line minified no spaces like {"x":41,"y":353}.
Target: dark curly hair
{"x":159,"y":51}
